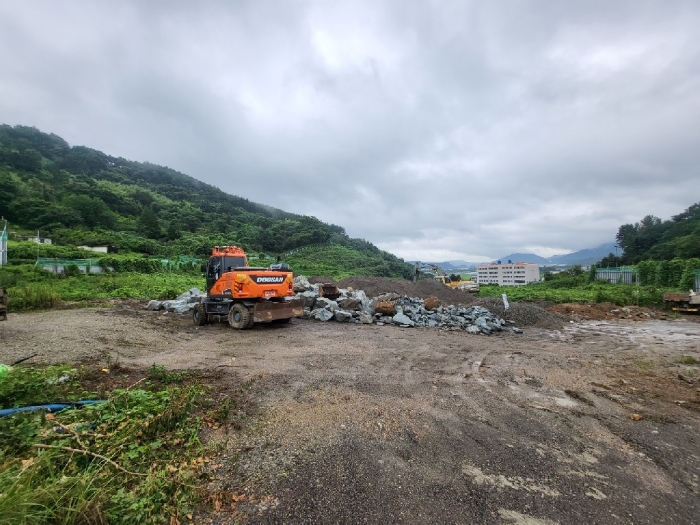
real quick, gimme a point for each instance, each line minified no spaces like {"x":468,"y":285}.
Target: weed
{"x":645,"y":366}
{"x":160,"y":373}
{"x":220,"y":413}
{"x":687,"y":360}
{"x":131,"y":459}
{"x":31,"y":386}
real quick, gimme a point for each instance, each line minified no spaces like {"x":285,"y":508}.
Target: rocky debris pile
{"x":182,"y":304}
{"x":391,"y":308}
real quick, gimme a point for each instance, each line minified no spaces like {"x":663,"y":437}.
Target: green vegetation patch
{"x":338,"y":261}
{"x":134,"y":458}
{"x":29,"y":287}
{"x":579,"y":292}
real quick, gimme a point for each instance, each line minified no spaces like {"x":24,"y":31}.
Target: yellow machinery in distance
{"x":453,"y":281}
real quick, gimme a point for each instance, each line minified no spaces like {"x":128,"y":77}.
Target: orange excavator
{"x":245,"y":295}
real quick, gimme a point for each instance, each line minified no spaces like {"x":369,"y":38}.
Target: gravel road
{"x":597,"y":422}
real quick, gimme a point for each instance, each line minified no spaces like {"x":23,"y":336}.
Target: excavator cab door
{"x":213,"y":271}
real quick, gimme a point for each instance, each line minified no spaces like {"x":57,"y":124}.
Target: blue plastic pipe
{"x":51,"y":407}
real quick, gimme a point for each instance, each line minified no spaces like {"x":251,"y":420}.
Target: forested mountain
{"x":78,"y":195}
{"x":655,"y":239}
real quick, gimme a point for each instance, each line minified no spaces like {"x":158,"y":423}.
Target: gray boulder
{"x":328,"y":304}
{"x":365,"y":318}
{"x":302,"y":284}
{"x":308,"y":298}
{"x":321,"y":314}
{"x":183,"y":307}
{"x":402,"y":319}
{"x":192,"y":293}
{"x":342,"y":316}
{"x":154,"y":305}
{"x":350,"y":303}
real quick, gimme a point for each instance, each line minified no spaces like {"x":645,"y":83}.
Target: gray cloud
{"x":436,"y":131}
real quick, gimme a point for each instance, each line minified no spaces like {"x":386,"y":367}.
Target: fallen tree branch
{"x":87,"y":453}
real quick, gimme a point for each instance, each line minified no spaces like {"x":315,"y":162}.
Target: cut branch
{"x":87,"y":453}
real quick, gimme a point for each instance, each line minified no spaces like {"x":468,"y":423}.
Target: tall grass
{"x":32,"y":289}
{"x":130,"y":459}
{"x":598,"y":292}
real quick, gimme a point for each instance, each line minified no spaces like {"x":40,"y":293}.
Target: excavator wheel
{"x":251,"y":322}
{"x":240,"y":317}
{"x":199,"y":316}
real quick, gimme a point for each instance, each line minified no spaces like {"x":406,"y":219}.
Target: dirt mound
{"x":523,"y":314}
{"x":424,"y":288}
{"x":322,"y":279}
{"x":604,"y":311}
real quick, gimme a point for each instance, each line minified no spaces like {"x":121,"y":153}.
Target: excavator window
{"x":233,"y":262}
{"x":219,"y":265}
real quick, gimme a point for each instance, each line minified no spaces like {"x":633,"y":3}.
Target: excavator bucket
{"x":266,"y":311}
{"x":329,"y":291}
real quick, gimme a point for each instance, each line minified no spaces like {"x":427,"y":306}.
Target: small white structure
{"x":509,"y":274}
{"x":36,"y":238}
{"x":99,"y":249}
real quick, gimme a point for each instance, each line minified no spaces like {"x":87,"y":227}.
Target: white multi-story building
{"x":508,"y":274}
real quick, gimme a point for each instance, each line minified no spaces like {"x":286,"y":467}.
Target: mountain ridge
{"x":583,"y":257}
{"x":82,"y":196}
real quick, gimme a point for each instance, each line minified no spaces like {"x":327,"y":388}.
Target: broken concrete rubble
{"x":354,"y":306}
{"x":182,"y":304}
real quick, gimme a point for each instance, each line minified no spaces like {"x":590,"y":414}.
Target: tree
{"x":148,"y":224}
{"x":94,"y":212}
{"x":9,"y":189}
{"x":609,"y":261}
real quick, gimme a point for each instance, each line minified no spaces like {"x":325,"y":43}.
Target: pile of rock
{"x":355,"y":306}
{"x":181,"y":305}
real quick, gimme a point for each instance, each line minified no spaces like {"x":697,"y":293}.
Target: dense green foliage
{"x":30,"y":287}
{"x":561,"y":291}
{"x":676,"y":273}
{"x":131,"y":459}
{"x":338,"y":262}
{"x":81,"y":196}
{"x":655,"y":239}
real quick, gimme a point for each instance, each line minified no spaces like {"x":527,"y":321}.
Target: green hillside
{"x":81,"y":196}
{"x":656,"y":239}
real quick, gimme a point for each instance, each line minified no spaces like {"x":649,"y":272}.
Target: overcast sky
{"x":436,"y":130}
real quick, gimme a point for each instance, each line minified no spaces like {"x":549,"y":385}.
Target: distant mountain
{"x":583,"y":257}
{"x":524,"y":257}
{"x":587,"y":256}
{"x":460,"y":264}
{"x":449,"y":266}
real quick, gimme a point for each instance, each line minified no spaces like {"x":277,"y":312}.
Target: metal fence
{"x":59,"y":265}
{"x":624,"y":274}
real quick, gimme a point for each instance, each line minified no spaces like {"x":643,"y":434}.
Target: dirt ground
{"x":587,"y":419}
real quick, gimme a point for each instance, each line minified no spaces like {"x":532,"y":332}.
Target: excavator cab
{"x":220,"y":264}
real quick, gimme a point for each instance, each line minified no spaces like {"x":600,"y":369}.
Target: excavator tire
{"x":251,"y":322}
{"x":240,"y":317}
{"x":199,"y":316}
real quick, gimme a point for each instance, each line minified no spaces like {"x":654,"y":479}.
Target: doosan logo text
{"x":263,"y":280}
